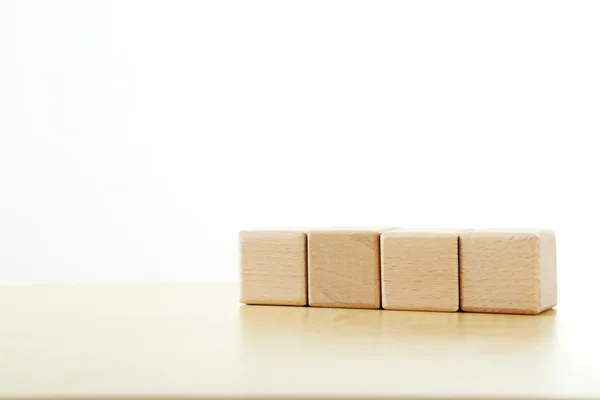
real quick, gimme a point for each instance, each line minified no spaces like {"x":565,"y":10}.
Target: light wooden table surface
{"x":196,"y":341}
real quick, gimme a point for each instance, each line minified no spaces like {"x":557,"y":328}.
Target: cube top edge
{"x":454,"y":232}
{"x":506,"y":232}
{"x":353,"y":229}
{"x":273,"y":231}
{"x":278,"y":229}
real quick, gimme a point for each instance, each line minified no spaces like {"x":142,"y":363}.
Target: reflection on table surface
{"x":437,"y":354}
{"x":105,"y":341}
{"x":340,"y":322}
{"x":444,"y":352}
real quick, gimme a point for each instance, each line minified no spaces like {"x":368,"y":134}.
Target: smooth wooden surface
{"x":419,"y":269}
{"x":508,"y":271}
{"x":344,"y":268}
{"x":196,"y":341}
{"x":273,"y":267}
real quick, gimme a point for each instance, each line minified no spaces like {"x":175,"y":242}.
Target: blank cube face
{"x":419,"y":270}
{"x":343,"y":269}
{"x":508,"y":271}
{"x":273,"y":267}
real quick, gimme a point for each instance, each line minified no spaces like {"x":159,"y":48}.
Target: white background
{"x":137,"y":138}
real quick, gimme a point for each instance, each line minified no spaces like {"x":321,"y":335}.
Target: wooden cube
{"x":419,"y":269}
{"x":508,"y":271}
{"x":273,"y":267}
{"x":343,"y":268}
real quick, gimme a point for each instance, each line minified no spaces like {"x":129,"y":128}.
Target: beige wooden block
{"x":273,"y":267}
{"x":343,"y":268}
{"x":419,"y":269}
{"x":508,"y":271}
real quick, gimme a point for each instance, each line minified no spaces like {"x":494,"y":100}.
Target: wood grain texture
{"x":508,"y":271}
{"x":419,"y":269}
{"x":344,"y":268}
{"x":273,"y":267}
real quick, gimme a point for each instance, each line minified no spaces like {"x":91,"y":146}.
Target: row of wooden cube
{"x":487,"y":270}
